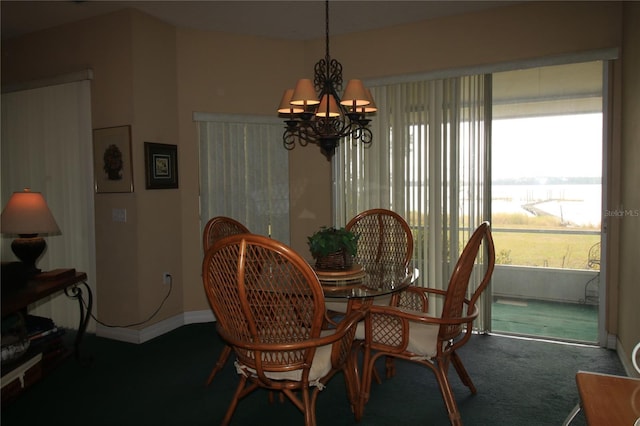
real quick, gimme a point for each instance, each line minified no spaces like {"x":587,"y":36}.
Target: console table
{"x":609,"y":400}
{"x":17,"y":295}
{"x":49,"y":283}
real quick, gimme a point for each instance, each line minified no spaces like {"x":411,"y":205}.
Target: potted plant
{"x":333,"y":248}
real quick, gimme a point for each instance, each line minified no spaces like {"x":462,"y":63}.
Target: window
{"x":46,"y":146}
{"x":244,"y":173}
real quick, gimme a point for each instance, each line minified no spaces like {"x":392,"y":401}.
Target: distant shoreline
{"x":571,"y":202}
{"x":548,"y":181}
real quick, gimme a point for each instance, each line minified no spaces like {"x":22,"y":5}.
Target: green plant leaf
{"x":330,"y":240}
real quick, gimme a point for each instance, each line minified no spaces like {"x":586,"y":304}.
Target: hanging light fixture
{"x":316,"y":113}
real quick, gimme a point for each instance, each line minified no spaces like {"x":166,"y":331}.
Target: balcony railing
{"x":556,"y":284}
{"x":565,"y":285}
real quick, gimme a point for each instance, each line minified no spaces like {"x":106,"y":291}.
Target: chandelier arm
{"x":291,"y":136}
{"x":367,"y":136}
{"x":288,"y":140}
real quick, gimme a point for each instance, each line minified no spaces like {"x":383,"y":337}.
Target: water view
{"x":575,"y":205}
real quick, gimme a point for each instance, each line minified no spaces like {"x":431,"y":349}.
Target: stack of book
{"x":30,"y":345}
{"x":45,"y":337}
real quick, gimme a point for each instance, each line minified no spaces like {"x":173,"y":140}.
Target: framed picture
{"x":112,"y":167}
{"x":161,"y":164}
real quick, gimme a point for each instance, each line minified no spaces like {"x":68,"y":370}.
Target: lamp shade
{"x":27,"y":213}
{"x":355,"y":94}
{"x":334,"y":109}
{"x":304,"y":93}
{"x":371,"y":107}
{"x":285,"y":104}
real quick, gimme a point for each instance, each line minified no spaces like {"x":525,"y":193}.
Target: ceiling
{"x":294,"y":20}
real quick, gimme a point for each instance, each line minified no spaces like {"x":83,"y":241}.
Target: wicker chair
{"x":217,"y":228}
{"x":270,"y":309}
{"x":385,"y":240}
{"x":410,"y":332}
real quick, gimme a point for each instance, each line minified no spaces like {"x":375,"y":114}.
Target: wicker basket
{"x":338,"y":260}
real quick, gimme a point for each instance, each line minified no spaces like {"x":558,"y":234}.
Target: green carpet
{"x":564,"y":321}
{"x":161,"y":382}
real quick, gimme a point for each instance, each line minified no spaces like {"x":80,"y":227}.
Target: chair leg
{"x":440,"y":371}
{"x":309,"y":413}
{"x":350,"y":372}
{"x":390,"y":367}
{"x":571,"y":415}
{"x":222,"y":359}
{"x":240,"y":390}
{"x":376,"y":376}
{"x":462,"y":372}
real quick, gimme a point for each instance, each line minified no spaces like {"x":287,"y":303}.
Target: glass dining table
{"x":359,"y":288}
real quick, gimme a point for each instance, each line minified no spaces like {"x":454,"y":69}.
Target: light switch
{"x":119,"y":215}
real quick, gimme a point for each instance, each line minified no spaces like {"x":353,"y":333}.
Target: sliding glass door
{"x":547,"y":169}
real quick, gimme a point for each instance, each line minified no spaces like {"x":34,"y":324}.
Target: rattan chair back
{"x":385,"y":239}
{"x":219,"y":227}
{"x":460,"y":279}
{"x":262,"y":292}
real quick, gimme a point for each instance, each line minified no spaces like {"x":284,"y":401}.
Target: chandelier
{"x":316,"y":113}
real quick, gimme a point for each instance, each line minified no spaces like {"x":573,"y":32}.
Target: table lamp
{"x":27,"y":215}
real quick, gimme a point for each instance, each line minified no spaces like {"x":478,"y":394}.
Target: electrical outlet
{"x":119,"y":215}
{"x":166,"y":278}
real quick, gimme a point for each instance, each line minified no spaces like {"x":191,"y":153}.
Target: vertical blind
{"x":47,"y":146}
{"x":430,"y":163}
{"x":244,"y":173}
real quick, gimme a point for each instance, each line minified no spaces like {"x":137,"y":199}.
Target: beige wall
{"x":154,"y":77}
{"x":629,"y":297}
{"x":155,"y":119}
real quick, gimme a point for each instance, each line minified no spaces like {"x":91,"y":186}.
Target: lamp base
{"x":28,"y":249}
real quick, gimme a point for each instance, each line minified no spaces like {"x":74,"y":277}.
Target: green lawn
{"x":537,"y":245}
{"x":537,"y":249}
{"x":543,"y":250}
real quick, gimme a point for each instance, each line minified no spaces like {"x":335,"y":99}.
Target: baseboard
{"x":612,"y":341}
{"x":195,"y":317}
{"x":625,"y":359}
{"x":154,"y":330}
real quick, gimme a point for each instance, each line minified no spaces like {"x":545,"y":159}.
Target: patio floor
{"x":552,"y":320}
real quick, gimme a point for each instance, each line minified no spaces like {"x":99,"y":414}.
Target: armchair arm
{"x":391,"y":325}
{"x":410,"y":315}
{"x":417,"y":299}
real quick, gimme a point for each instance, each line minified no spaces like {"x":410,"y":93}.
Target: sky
{"x":556,"y":146}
